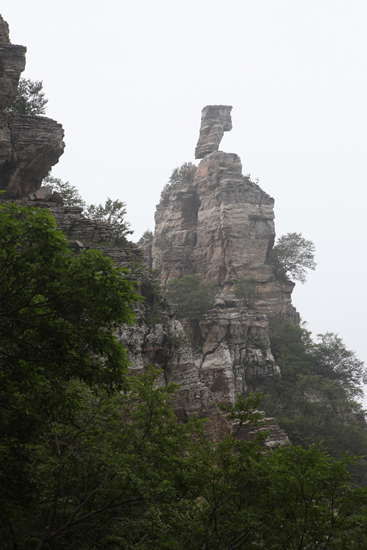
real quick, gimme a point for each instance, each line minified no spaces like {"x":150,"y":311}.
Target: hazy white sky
{"x":128,"y":79}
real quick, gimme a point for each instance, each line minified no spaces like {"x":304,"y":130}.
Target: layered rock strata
{"x":215,"y":120}
{"x":196,"y":232}
{"x":29,"y":145}
{"x":219,"y":226}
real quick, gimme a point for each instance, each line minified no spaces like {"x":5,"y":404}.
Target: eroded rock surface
{"x":219,"y":225}
{"x":215,"y":120}
{"x":29,"y":145}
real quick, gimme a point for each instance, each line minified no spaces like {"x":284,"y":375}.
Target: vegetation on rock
{"x":30,"y":98}
{"x":183,"y":174}
{"x":316,"y":398}
{"x":113,"y":213}
{"x":67,"y":192}
{"x":293,"y":255}
{"x":189,"y":297}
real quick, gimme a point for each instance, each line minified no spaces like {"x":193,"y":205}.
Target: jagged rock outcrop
{"x":29,"y":145}
{"x":215,"y":120}
{"x":219,"y":225}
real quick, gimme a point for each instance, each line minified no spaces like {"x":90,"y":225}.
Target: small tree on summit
{"x":184,"y":173}
{"x":293,"y":255}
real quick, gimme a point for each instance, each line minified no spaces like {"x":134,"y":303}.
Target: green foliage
{"x":158,"y":483}
{"x":58,"y":315}
{"x":190,"y":297}
{"x":94,"y":459}
{"x":314,"y":400}
{"x":113,"y":213}
{"x":69,"y":193}
{"x":293,"y":255}
{"x":245,"y":290}
{"x":30,"y":98}
{"x":338,"y":363}
{"x":183,"y":174}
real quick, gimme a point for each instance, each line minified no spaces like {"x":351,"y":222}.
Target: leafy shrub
{"x":30,"y":98}
{"x":293,"y":255}
{"x":68,"y":193}
{"x":113,"y":213}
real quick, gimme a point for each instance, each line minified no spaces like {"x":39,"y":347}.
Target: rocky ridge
{"x":195,"y":233}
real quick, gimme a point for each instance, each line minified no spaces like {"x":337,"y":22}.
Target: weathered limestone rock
{"x":29,"y":145}
{"x":219,"y":225}
{"x":215,"y":120}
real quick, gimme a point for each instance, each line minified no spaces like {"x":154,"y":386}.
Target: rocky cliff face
{"x":219,"y":225}
{"x":29,"y":145}
{"x":216,"y":224}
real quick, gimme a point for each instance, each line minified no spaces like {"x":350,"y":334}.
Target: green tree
{"x":30,"y":98}
{"x":337,"y":362}
{"x":190,"y":297}
{"x":57,"y":322}
{"x":97,"y":485}
{"x":113,"y":213}
{"x":293,"y":255}
{"x":68,"y":193}
{"x":314,"y":400}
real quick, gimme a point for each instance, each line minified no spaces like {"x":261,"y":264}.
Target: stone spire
{"x":215,"y":120}
{"x":29,"y":145}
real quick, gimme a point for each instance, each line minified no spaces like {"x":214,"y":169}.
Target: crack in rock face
{"x":215,"y":120}
{"x":29,"y":145}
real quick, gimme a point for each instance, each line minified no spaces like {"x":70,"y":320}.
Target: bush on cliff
{"x":30,"y":98}
{"x":112,"y":212}
{"x":189,"y":297}
{"x":67,"y":192}
{"x":292,"y":256}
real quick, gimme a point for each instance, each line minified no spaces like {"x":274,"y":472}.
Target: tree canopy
{"x":67,"y":192}
{"x":293,"y":255}
{"x":317,"y":397}
{"x":30,"y":98}
{"x":113,"y":213}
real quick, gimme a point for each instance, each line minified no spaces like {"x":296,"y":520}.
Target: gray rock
{"x":215,"y":120}
{"x":219,"y":226}
{"x":29,"y":145}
